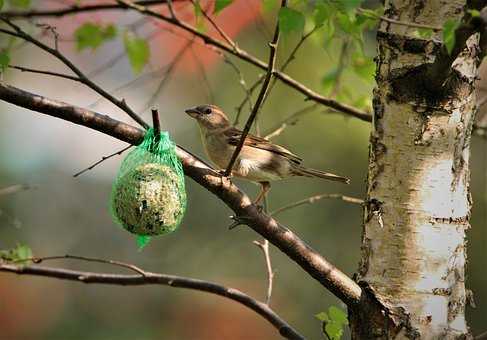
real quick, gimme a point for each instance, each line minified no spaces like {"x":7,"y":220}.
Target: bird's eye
{"x":207,"y":111}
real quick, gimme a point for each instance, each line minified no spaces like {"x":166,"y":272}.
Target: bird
{"x":259,"y":160}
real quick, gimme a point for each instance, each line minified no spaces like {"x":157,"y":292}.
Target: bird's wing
{"x":234,"y":135}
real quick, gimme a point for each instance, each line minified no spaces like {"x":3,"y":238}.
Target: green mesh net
{"x":148,"y":196}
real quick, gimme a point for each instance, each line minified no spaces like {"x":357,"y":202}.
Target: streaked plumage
{"x":259,"y":160}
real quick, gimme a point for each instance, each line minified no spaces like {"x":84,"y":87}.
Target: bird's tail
{"x":307,"y":172}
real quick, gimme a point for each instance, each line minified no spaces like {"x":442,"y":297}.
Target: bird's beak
{"x":193,"y":112}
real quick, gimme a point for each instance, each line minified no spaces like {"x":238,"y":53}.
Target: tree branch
{"x":313,"y":199}
{"x":76,"y":9}
{"x":48,"y":73}
{"x":289,"y":243}
{"x":104,"y":158}
{"x":264,"y":246}
{"x":241,"y":54}
{"x":142,"y":7}
{"x":262,"y":94}
{"x":148,"y":278}
{"x":82,"y":77}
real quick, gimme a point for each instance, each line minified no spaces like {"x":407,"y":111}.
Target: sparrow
{"x":259,"y":160}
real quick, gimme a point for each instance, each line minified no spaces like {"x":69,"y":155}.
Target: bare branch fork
{"x":289,"y":243}
{"x":104,"y":158}
{"x":149,"y":278}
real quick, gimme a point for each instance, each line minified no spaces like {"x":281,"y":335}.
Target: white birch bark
{"x":414,"y":248}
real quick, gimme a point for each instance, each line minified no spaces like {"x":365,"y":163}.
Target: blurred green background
{"x":65,"y":215}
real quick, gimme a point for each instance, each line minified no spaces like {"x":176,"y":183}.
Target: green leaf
{"x":322,"y":316}
{"x":337,"y":315}
{"x":291,"y":20}
{"x":1,"y":4}
{"x":334,"y":331}
{"x":4,"y":60}
{"x":322,"y":12}
{"x":92,"y":35}
{"x":333,"y":322}
{"x":425,"y":33}
{"x":329,"y":79}
{"x":220,"y":5}
{"x":21,"y":253}
{"x":345,"y":22}
{"x":473,"y":13}
{"x":198,"y":14}
{"x":137,"y":50}
{"x":449,"y":28}
{"x":19,"y":3}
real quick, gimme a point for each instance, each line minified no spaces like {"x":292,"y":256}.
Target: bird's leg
{"x":265,"y":187}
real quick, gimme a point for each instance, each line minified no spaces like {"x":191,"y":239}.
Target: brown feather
{"x":234,"y":135}
{"x":308,"y":172}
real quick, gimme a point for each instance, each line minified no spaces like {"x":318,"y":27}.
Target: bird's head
{"x":209,"y":116}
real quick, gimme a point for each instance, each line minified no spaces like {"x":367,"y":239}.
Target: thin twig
{"x":264,"y":246}
{"x":171,"y":9}
{"x":313,"y":199}
{"x":135,"y":83}
{"x":204,"y":76}
{"x":342,"y":58}
{"x":104,"y":158}
{"x":141,"y":7}
{"x":241,"y":54}
{"x":284,"y":66}
{"x":298,"y":45}
{"x":114,"y":60}
{"x":398,"y":22}
{"x":292,"y":56}
{"x":38,"y":260}
{"x":82,"y":77}
{"x":218,"y":28}
{"x":77,"y":9}
{"x":248,"y":98}
{"x":242,"y":83}
{"x":263,"y":91}
{"x":49,"y":73}
{"x":149,"y":278}
{"x":289,"y":120}
{"x":170,"y":70}
{"x":411,"y":24}
{"x":53,"y":31}
{"x":156,"y":124}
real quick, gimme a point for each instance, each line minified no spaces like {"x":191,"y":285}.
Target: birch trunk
{"x":413,"y":246}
